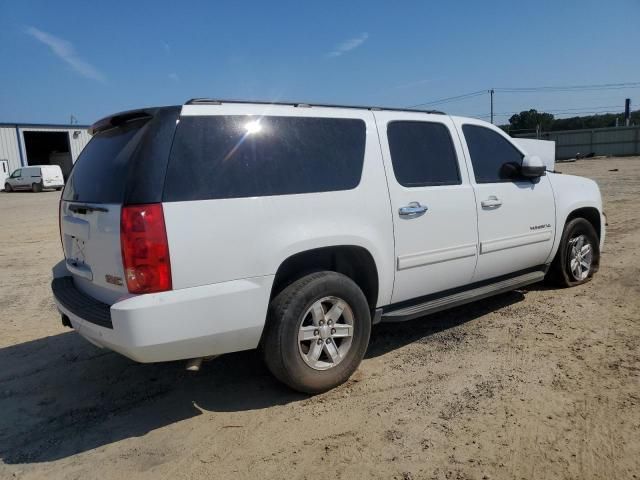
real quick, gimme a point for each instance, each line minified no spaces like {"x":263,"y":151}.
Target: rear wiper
{"x":82,"y":209}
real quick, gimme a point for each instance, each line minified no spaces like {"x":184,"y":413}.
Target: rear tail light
{"x":145,"y":251}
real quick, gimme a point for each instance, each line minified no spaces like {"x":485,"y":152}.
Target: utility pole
{"x":491,"y":92}
{"x":627,"y":111}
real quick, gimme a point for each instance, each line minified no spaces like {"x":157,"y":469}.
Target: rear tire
{"x":7,"y":188}
{"x":329,"y":309}
{"x":578,"y":256}
{"x":36,"y":187}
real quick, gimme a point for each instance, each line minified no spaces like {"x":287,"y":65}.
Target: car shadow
{"x":60,"y":395}
{"x":387,"y":337}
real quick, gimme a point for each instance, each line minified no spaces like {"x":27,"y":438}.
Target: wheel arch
{"x":356,"y":262}
{"x":590,"y":214}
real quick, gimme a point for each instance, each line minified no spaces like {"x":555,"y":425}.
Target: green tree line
{"x":530,"y":119}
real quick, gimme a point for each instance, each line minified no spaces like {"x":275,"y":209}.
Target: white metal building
{"x":41,"y":144}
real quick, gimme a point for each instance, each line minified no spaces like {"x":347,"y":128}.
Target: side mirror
{"x":532,"y":167}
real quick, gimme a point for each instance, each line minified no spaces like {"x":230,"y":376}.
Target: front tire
{"x":578,"y":256}
{"x":7,"y":188}
{"x":317,"y":332}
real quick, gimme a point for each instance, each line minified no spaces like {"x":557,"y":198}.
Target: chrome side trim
{"x":436,"y":256}
{"x":461,"y":298}
{"x":514,"y":241}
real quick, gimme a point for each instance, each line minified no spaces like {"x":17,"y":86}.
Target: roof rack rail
{"x":215,"y":101}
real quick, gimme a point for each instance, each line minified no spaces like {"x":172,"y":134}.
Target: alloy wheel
{"x":326,"y":333}
{"x":580,"y":257}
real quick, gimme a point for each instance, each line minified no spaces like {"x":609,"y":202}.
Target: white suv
{"x":214,"y":227}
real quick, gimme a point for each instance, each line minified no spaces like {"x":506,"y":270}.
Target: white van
{"x":35,"y":178}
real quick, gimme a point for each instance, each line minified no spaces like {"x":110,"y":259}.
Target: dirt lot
{"x":531,"y":384}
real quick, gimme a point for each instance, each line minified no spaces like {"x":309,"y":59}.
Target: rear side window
{"x":100,"y":173}
{"x":422,"y":154}
{"x":493,"y":157}
{"x":216,"y":157}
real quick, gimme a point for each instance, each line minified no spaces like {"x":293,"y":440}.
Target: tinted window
{"x":100,"y":173}
{"x":422,"y":154}
{"x":493,"y":156}
{"x":244,"y":156}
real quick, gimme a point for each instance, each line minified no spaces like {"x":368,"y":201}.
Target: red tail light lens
{"x":145,"y":250}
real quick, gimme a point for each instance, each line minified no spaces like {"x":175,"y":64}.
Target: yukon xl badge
{"x":113,"y":280}
{"x":538,"y":227}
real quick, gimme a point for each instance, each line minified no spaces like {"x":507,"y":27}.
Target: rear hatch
{"x":51,"y":175}
{"x":123,"y":164}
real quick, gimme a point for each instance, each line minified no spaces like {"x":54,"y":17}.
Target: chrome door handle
{"x":491,"y":202}
{"x":414,"y":209}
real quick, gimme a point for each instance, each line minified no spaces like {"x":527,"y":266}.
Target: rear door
{"x":31,"y":175}
{"x":516,"y":215}
{"x":433,"y":206}
{"x":90,"y":213}
{"x":51,"y":175}
{"x":123,"y":164}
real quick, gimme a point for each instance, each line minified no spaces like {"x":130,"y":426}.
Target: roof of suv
{"x":213,"y":101}
{"x":121,"y":118}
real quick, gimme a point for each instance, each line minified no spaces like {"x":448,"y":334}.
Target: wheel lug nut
{"x":333,"y":331}
{"x":319,"y":341}
{"x":321,"y":322}
{"x":328,"y":340}
{"x":316,"y":333}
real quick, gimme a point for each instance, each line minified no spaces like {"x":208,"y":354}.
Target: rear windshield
{"x":216,"y":157}
{"x":99,"y":175}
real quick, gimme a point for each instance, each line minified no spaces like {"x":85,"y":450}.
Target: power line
{"x":566,"y":88}
{"x":593,"y":109}
{"x":450,"y":99}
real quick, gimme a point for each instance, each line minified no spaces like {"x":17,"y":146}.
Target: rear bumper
{"x":192,"y":322}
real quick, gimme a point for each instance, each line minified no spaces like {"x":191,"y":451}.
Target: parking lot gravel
{"x":536,"y":383}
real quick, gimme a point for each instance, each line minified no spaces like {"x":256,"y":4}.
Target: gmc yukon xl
{"x":213,"y":227}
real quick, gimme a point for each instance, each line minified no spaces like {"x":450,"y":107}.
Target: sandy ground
{"x":531,"y":384}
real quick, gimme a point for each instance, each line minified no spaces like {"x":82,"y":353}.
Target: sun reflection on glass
{"x":253,"y":127}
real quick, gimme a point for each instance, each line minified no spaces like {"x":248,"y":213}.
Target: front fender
{"x":572,"y":193}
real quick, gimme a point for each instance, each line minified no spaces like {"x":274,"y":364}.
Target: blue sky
{"x":90,"y":59}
